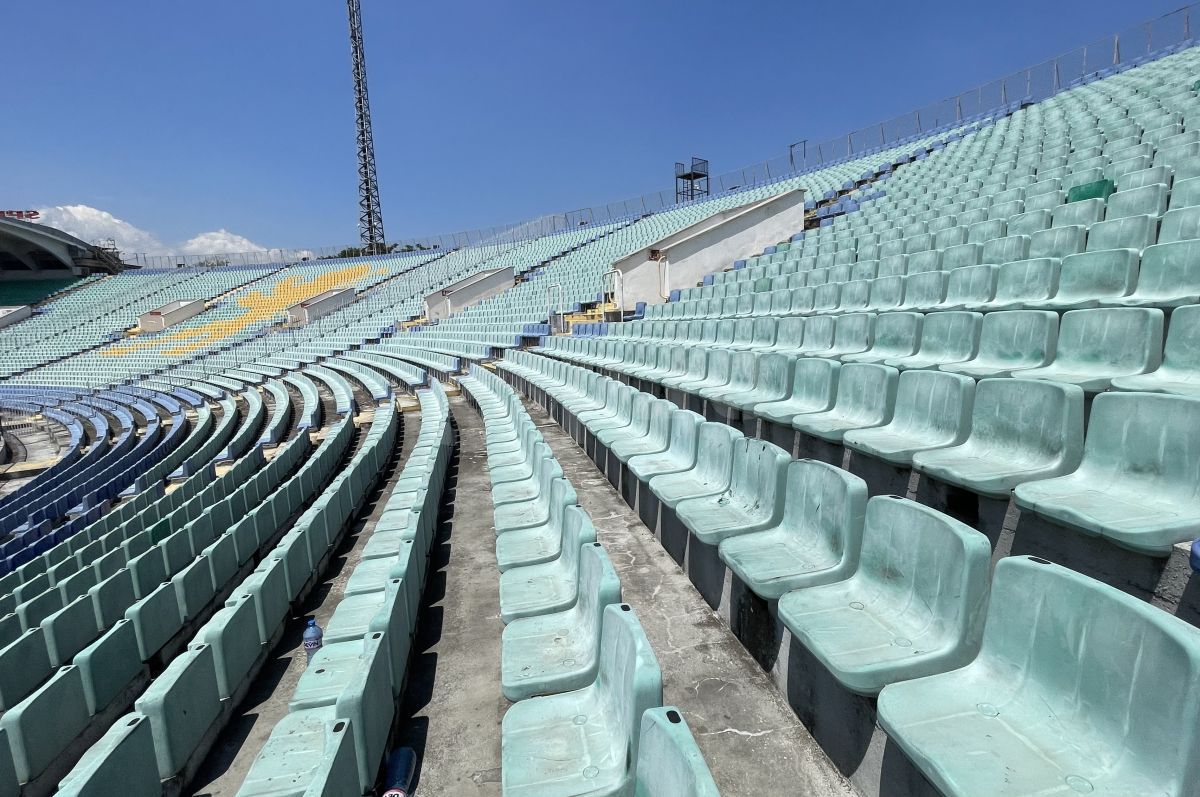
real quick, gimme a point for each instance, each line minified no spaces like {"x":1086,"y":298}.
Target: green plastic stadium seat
{"x":540,"y":543}
{"x":120,"y":764}
{"x":181,"y":705}
{"x":308,"y":752}
{"x":1135,"y":485}
{"x":894,"y":335}
{"x":1169,"y":276}
{"x":1020,"y":282}
{"x":232,"y":632}
{"x":1010,"y":342}
{"x":1130,"y":232}
{"x":551,"y":586}
{"x":669,"y":763}
{"x":814,"y":386}
{"x":1146,"y":200}
{"x":356,"y":617}
{"x":752,"y":501}
{"x":1087,"y":278}
{"x":1179,"y":372}
{"x":42,"y":726}
{"x":933,"y":410}
{"x":914,"y":607}
{"x":353,"y":679}
{"x":680,"y":453}
{"x":1096,"y":346}
{"x":1021,"y":430}
{"x":108,"y":666}
{"x":558,"y":652}
{"x":817,"y":539}
{"x":585,"y":741}
{"x":709,"y":475}
{"x":945,"y":338}
{"x":866,"y":396}
{"x":1078,"y":688}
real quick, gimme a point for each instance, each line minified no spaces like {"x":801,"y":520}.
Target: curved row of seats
{"x":334,"y":737}
{"x":892,"y":598}
{"x":165,"y":738}
{"x":571,"y":650}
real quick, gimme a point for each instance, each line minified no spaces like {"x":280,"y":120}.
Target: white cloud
{"x":93,"y":225}
{"x":220,"y":242}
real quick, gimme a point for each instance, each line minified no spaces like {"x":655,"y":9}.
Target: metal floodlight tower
{"x":370,"y":216}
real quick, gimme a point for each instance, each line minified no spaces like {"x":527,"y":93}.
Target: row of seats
{"x":892,"y":598}
{"x":341,"y":710}
{"x":571,"y":654}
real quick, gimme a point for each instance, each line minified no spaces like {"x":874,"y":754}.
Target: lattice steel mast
{"x":370,"y":216}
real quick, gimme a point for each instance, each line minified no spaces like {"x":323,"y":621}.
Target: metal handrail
{"x":618,"y":289}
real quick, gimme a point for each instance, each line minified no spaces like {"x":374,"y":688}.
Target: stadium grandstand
{"x":880,"y":476}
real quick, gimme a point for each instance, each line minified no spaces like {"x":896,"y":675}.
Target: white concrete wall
{"x":169,"y":314}
{"x":311,"y":309}
{"x":11,"y":315}
{"x":710,"y":246}
{"x":464,"y":293}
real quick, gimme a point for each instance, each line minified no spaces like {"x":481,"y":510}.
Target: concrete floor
{"x":452,"y":705}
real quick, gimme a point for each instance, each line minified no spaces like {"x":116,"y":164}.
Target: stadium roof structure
{"x":25,"y":246}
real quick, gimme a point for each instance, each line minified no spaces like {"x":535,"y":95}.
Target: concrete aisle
{"x":751,"y":739}
{"x":452,"y":705}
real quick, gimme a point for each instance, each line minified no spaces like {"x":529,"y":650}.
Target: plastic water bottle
{"x":312,"y":639}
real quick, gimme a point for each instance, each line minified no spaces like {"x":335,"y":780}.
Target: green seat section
{"x":1136,"y":483}
{"x":894,"y":335}
{"x":387,"y":611}
{"x":1179,"y":372}
{"x":120,"y":764}
{"x":585,"y":741}
{"x":813,"y":389}
{"x":541,"y":543}
{"x":866,"y":397}
{"x":308,"y":753}
{"x":109,"y":665}
{"x":1078,"y":688}
{"x":550,"y":586}
{"x":1086,"y":279}
{"x":353,"y":678}
{"x":1098,"y":190}
{"x":914,"y":607}
{"x":43,"y":725}
{"x":181,"y":705}
{"x":752,"y":501}
{"x":560,"y":652}
{"x":1010,"y":342}
{"x":680,"y":452}
{"x":1097,"y":346}
{"x":1021,"y":430}
{"x":232,"y":633}
{"x":817,"y":539}
{"x":710,"y":472}
{"x":1169,"y":276}
{"x":1019,"y":282}
{"x":24,"y":663}
{"x":933,"y":410}
{"x":945,"y":338}
{"x":669,"y":763}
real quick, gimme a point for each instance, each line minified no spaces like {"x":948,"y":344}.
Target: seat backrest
{"x":925,"y":289}
{"x":826,"y":505}
{"x":1094,"y":275}
{"x":866,"y":390}
{"x":1106,"y":660}
{"x":599,"y":587}
{"x":1027,"y":279}
{"x":1029,"y":222}
{"x":1082,"y":213}
{"x":669,"y":763}
{"x":1005,"y":250}
{"x":659,"y":428}
{"x":936,"y":403}
{"x":913,"y":555}
{"x":1180,"y":225}
{"x":1057,"y":242}
{"x":953,"y":334}
{"x":1043,"y":418}
{"x":758,"y":471}
{"x":971,"y":284}
{"x":1147,"y":436}
{"x":1149,"y":199}
{"x":855,"y":295}
{"x":629,"y":680}
{"x":814,"y":383}
{"x":967,"y":254}
{"x":852,"y":331}
{"x":1130,"y":232}
{"x":577,"y":531}
{"x":818,"y":332}
{"x":790,"y":332}
{"x":720,"y":363}
{"x":1018,"y":336}
{"x":685,"y":428}
{"x":714,"y":454}
{"x":896,"y":334}
{"x":1120,"y":337}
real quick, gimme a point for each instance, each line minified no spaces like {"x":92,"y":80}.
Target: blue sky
{"x":236,"y":115}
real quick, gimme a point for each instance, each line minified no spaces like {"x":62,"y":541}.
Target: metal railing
{"x":1031,"y":84}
